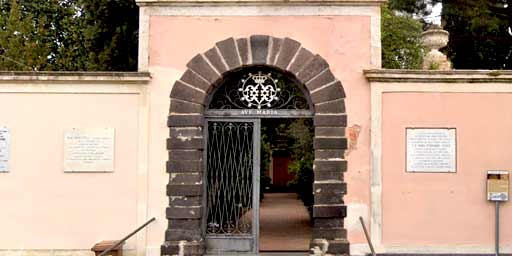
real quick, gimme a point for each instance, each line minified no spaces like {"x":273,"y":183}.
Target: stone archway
{"x":184,"y":235}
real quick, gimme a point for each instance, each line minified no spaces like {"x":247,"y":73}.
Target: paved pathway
{"x":284,"y":223}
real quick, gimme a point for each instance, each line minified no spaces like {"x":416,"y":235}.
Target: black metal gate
{"x":232,"y":186}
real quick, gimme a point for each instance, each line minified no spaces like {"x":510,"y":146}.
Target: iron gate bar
{"x":225,"y":240}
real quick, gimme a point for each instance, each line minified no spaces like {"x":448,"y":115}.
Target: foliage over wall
{"x":80,"y":35}
{"x":92,"y":35}
{"x":480,"y":30}
{"x":480,"y":33}
{"x":401,"y":40}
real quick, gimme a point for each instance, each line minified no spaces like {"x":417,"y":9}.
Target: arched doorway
{"x":196,"y":114}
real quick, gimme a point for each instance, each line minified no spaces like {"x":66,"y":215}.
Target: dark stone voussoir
{"x":338,"y":188}
{"x":288,"y":50}
{"x":302,"y":58}
{"x":317,"y":244}
{"x":184,"y":178}
{"x":259,"y":49}
{"x":329,"y":131}
{"x":193,"y":143}
{"x":185,"y":190}
{"x":187,"y":224}
{"x":339,"y":247}
{"x":330,"y":143}
{"x":328,"y":199}
{"x":312,"y":68}
{"x":185,"y":120}
{"x":322,"y":79}
{"x":185,"y":201}
{"x":329,"y":223}
{"x":184,"y":92}
{"x":274,"y":50}
{"x":200,"y":66}
{"x":330,"y":211}
{"x":185,"y":107}
{"x":216,"y":60}
{"x":329,"y":154}
{"x":186,"y":132}
{"x":195,"y":80}
{"x":330,"y":165}
{"x":327,"y":175}
{"x":183,"y":234}
{"x":328,"y":93}
{"x":172,"y":248}
{"x":331,"y":107}
{"x":181,"y":166}
{"x":194,"y":212}
{"x":243,"y":50}
{"x":227,"y":49}
{"x":185,"y":155}
{"x":330,"y":120}
{"x":329,"y":233}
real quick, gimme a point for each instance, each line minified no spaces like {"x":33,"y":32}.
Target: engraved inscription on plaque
{"x":431,"y":150}
{"x":5,"y":139}
{"x":89,"y":150}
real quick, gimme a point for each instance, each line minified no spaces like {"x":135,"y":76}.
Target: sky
{"x":435,"y":16}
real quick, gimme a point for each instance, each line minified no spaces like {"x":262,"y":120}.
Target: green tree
{"x":26,"y":36}
{"x":83,"y":35}
{"x":110,"y":34}
{"x":401,"y":40}
{"x":480,"y":36}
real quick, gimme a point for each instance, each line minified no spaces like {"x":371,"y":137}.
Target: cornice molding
{"x":433,"y":76}
{"x":206,"y":3}
{"x":75,"y":77}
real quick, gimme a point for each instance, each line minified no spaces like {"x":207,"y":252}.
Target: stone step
{"x":266,"y":254}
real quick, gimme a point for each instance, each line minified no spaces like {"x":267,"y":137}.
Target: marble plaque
{"x":89,"y":150}
{"x":5,"y":144}
{"x":431,"y":150}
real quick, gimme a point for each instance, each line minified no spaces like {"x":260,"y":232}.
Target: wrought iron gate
{"x":232,"y":186}
{"x":233,"y":151}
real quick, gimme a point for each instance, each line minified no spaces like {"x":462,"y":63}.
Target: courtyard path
{"x":284,"y":223}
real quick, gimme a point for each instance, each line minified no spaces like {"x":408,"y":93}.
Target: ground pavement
{"x":284,"y":223}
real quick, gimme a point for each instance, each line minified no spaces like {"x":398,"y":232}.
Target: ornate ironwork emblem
{"x":259,"y":90}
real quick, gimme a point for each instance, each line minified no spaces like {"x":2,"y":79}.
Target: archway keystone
{"x":189,"y":96}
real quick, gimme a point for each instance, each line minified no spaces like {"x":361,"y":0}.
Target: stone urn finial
{"x":435,"y":39}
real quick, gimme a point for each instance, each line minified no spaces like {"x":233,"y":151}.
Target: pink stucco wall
{"x":445,"y":208}
{"x":344,"y":41}
{"x":41,"y":206}
{"x":44,"y":208}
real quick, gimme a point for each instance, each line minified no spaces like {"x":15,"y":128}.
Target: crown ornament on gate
{"x":259,"y":78}
{"x":259,"y":90}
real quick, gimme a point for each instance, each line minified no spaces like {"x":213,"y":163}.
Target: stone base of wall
{"x":440,"y":254}
{"x":130,"y":252}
